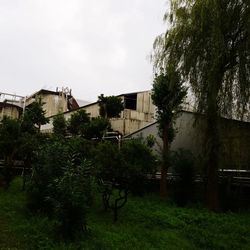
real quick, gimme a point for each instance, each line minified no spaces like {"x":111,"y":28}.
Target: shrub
{"x":122,"y":171}
{"x":183,"y":166}
{"x":60,"y":184}
{"x":71,"y":198}
{"x":139,"y":162}
{"x":48,"y":165}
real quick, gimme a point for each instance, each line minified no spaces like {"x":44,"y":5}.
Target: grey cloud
{"x":91,"y":46}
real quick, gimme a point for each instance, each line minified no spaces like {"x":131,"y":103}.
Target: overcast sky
{"x":93,"y":47}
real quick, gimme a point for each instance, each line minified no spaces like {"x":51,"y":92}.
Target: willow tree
{"x":209,"y":41}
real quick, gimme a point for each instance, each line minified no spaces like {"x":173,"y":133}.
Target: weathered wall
{"x":144,"y":103}
{"x":12,"y":112}
{"x":53,"y":104}
{"x":127,"y":126}
{"x":235,"y":139}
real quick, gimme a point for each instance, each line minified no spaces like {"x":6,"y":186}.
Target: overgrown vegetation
{"x":146,"y":223}
{"x":120,"y":171}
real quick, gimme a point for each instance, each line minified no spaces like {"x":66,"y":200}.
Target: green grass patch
{"x":144,"y":223}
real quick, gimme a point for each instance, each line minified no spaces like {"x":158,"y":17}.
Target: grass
{"x":144,"y":223}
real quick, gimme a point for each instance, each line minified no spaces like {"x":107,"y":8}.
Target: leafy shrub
{"x":122,"y":171}
{"x":139,"y":161}
{"x":59,"y":125}
{"x":78,"y":122}
{"x":60,"y":184}
{"x":71,"y":198}
{"x":183,"y":166}
{"x":48,"y":165}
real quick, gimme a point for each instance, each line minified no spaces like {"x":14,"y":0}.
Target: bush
{"x":60,"y":184}
{"x":122,"y":171}
{"x":139,"y":162}
{"x":183,"y":166}
{"x":48,"y":165}
{"x":71,"y":198}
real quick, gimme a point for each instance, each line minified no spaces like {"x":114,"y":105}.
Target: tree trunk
{"x":164,"y":167}
{"x":7,"y":171}
{"x":212,"y":148}
{"x":212,"y":165}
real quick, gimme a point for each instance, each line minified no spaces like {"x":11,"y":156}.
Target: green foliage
{"x":71,"y":197}
{"x":60,"y":184}
{"x":110,"y":106}
{"x":49,"y":164}
{"x":168,"y":94}
{"x":147,"y":223}
{"x":150,"y":141}
{"x":139,"y":161}
{"x":209,"y":42}
{"x":10,"y":133}
{"x":34,"y":117}
{"x":108,"y":161}
{"x":78,"y":122}
{"x":122,"y":171}
{"x":128,"y":166}
{"x":59,"y":125}
{"x":97,"y":127}
{"x":19,"y":138}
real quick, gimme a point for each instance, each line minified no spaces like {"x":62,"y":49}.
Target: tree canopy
{"x":34,"y":116}
{"x":78,"y":122}
{"x":110,"y":106}
{"x":209,"y":43}
{"x":59,"y":125}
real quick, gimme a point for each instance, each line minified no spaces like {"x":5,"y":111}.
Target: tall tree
{"x":168,"y":94}
{"x":110,"y":106}
{"x":33,"y":118}
{"x":210,"y":42}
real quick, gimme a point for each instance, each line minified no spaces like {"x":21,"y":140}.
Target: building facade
{"x":138,"y":112}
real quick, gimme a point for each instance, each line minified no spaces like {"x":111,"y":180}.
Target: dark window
{"x":130,"y":101}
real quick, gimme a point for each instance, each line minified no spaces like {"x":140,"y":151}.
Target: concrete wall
{"x":235,"y":139}
{"x":126,"y":126}
{"x":53,"y":104}
{"x":144,"y":103}
{"x":12,"y":112}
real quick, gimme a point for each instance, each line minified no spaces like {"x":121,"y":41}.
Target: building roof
{"x":133,"y":93}
{"x":6,"y":104}
{"x":44,"y":91}
{"x":246,"y":123}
